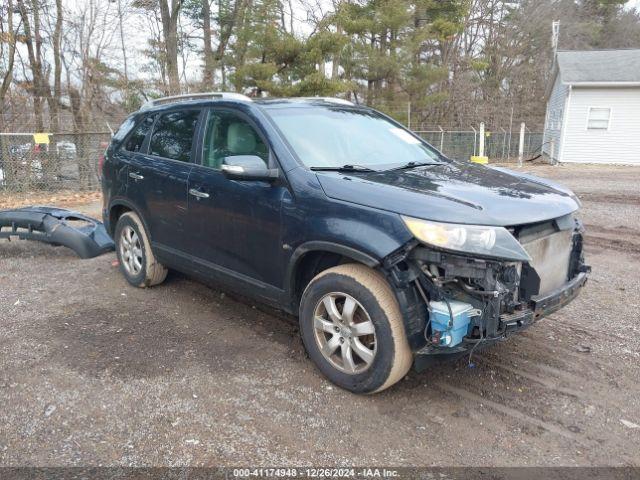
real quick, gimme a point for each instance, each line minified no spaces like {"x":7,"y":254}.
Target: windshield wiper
{"x":409,"y":165}
{"x":344,"y":168}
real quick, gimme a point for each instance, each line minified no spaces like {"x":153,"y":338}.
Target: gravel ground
{"x":95,"y":372}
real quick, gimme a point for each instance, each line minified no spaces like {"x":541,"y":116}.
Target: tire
{"x":389,"y":356}
{"x":145,"y":271}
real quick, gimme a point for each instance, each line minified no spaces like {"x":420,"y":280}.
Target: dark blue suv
{"x":389,"y":253}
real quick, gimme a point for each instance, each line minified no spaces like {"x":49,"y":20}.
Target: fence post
{"x":441,"y":139}
{"x":521,"y":144}
{"x":504,"y":141}
{"x":409,"y":115}
{"x":475,"y":139}
{"x":481,"y":148}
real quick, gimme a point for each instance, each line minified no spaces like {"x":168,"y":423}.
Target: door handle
{"x":136,"y":176}
{"x":197,"y":193}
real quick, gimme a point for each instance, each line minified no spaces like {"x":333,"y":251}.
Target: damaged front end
{"x":453,"y":302}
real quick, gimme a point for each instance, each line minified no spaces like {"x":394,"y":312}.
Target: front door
{"x":236,"y":225}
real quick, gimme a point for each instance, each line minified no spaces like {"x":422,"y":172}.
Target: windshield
{"x":334,"y":137}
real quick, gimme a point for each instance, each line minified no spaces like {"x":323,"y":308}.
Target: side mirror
{"x":248,"y":167}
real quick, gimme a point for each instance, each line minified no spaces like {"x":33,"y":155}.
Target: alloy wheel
{"x":130,"y":251}
{"x":344,"y":333}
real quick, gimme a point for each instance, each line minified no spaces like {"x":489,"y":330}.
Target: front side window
{"x":228,"y":134}
{"x":136,"y":139}
{"x":173,"y":135}
{"x":598,"y":118}
{"x":337,"y":136}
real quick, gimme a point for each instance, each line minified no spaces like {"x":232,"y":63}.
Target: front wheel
{"x":352,"y":328}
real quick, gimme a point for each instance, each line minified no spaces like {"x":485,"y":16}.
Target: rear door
{"x":158,"y":176}
{"x":115,"y":177}
{"x":235,"y":226}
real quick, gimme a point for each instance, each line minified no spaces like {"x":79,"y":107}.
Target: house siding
{"x":554,"y":118}
{"x":620,"y":143}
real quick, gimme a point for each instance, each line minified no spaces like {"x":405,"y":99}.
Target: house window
{"x":598,"y":118}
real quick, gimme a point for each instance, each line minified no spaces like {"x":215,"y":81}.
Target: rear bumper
{"x":539,"y":307}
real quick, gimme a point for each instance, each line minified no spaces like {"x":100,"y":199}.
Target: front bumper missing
{"x":539,"y":306}
{"x":544,"y":305}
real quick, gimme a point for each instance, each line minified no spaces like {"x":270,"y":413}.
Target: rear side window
{"x":173,"y":135}
{"x":136,"y":139}
{"x":124,"y":129}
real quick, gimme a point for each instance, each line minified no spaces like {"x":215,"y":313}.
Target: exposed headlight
{"x":482,"y":240}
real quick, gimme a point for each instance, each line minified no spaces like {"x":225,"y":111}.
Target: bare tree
{"x":30,"y":14}
{"x":208,"y":73}
{"x":169,"y":11}
{"x":8,"y":51}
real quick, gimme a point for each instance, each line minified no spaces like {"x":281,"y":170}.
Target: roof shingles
{"x":599,"y":66}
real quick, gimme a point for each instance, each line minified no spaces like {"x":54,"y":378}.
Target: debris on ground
{"x":629,"y":424}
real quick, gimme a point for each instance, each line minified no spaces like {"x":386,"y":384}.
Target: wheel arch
{"x":311,"y":258}
{"x":117,"y":208}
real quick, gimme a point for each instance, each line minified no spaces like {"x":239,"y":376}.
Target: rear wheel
{"x":137,"y":261}
{"x":352,"y":327}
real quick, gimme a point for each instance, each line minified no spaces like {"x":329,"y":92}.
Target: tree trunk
{"x":237,"y":17}
{"x":169,"y":17}
{"x":36,"y":70}
{"x":54,"y":102}
{"x":8,"y":74}
{"x":124,"y":49}
{"x":8,"y":167}
{"x":335,"y":61}
{"x":209,"y":63}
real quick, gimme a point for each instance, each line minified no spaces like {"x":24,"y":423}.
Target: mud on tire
{"x":393,"y":356}
{"x":150,"y":272}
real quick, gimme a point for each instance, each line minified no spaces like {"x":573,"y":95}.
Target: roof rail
{"x":193,"y":97}
{"x":340,"y":101}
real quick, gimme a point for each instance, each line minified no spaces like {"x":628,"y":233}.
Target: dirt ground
{"x":95,"y":372}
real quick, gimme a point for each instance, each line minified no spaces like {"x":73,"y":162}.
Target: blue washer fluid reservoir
{"x":451,"y":330}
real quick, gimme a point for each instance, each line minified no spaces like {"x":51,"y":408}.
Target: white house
{"x":593,"y":107}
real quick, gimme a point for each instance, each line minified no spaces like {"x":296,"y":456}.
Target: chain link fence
{"x":68,"y":161}
{"x":498,"y":146}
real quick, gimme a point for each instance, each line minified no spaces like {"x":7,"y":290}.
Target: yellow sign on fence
{"x":39,"y":138}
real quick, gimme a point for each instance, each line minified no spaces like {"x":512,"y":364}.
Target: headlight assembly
{"x":476,"y":239}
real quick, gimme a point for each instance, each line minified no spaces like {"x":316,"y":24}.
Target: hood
{"x":454,"y":192}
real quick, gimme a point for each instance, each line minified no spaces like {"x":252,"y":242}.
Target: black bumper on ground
{"x":58,"y":226}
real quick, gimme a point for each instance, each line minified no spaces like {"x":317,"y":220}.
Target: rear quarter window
{"x":173,"y":135}
{"x":124,"y":129}
{"x":134,"y":142}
